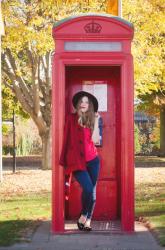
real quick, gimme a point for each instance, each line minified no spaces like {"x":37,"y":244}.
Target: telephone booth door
{"x":103,"y":82}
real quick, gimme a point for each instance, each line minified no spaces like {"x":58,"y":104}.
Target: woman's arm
{"x":96,"y":134}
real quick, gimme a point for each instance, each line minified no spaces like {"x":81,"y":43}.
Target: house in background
{"x":144,"y":121}
{"x":146,"y":124}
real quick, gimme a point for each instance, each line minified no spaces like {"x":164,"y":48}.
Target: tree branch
{"x":8,"y":85}
{"x":10,"y":73}
{"x":13,"y":67}
{"x":22,"y":100}
{"x":36,"y":99}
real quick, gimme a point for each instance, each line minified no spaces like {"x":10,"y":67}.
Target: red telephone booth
{"x":93,"y":53}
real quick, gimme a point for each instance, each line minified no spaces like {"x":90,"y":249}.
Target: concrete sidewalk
{"x":74,"y":239}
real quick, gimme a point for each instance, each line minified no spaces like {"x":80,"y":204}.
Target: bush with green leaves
{"x":136,"y":139}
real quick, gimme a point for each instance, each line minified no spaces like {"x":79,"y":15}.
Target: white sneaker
{"x":82,"y":219}
{"x":87,"y":225}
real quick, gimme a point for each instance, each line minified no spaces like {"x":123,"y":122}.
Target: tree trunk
{"x":46,"y":150}
{"x":162,"y":130}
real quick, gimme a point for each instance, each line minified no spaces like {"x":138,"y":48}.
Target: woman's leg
{"x":93,"y":168}
{"x":84,"y":180}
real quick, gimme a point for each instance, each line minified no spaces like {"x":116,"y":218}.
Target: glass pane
{"x":99,"y":90}
{"x":93,"y":46}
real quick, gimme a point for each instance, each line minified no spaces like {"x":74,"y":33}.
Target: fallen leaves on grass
{"x":25,"y":181}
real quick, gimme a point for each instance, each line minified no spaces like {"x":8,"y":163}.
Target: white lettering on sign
{"x":100,"y":92}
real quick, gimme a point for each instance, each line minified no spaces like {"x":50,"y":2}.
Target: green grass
{"x":150,"y":208}
{"x":20,"y":215}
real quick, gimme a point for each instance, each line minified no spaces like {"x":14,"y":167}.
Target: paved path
{"x":43,"y":239}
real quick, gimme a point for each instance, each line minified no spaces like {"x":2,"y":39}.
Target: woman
{"x":79,"y":154}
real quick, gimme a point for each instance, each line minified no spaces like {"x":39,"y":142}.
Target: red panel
{"x":106,"y":202}
{"x":57,"y":171}
{"x":127,"y":149}
{"x":110,"y":27}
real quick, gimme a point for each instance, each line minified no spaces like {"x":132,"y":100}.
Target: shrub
{"x":137,"y":141}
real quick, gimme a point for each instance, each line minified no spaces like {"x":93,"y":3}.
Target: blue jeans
{"x":88,"y":181}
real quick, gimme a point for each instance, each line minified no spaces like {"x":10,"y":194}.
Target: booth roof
{"x":93,"y":14}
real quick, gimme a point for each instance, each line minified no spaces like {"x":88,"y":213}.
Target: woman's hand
{"x":97,"y":114}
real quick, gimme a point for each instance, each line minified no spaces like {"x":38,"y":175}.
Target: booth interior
{"x":105,"y":83}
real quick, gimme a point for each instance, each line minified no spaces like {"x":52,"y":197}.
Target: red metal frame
{"x":126,"y":133}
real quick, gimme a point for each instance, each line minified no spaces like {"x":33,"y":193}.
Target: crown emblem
{"x":92,"y":27}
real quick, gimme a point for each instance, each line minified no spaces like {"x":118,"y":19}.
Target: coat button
{"x":82,"y":154}
{"x":80,"y":141}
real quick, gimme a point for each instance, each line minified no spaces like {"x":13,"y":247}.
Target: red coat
{"x":73,"y":151}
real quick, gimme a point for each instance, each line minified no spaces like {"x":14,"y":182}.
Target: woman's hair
{"x":86,"y":118}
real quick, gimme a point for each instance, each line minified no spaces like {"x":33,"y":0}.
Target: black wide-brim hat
{"x":80,"y":94}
